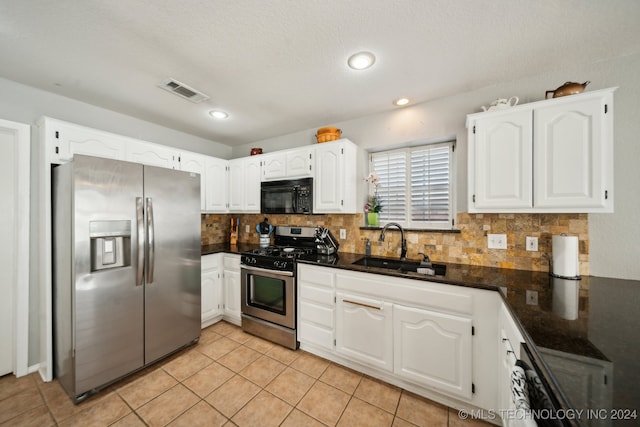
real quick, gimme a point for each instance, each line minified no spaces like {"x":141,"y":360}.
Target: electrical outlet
{"x":247,"y":229}
{"x":343,"y":234}
{"x":532,"y":244}
{"x":497,"y":241}
{"x":532,"y":298}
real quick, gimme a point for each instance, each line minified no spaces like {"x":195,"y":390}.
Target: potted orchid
{"x":373,"y":207}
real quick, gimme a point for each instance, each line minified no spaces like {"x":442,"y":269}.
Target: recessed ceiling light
{"x":401,"y":101}
{"x":217,"y":114}
{"x":361,"y":60}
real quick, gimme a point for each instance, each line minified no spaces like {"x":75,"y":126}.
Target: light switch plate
{"x":497,"y":241}
{"x":247,"y":229}
{"x":343,"y":234}
{"x":532,"y":244}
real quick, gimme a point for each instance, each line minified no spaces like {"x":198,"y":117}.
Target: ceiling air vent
{"x":183,"y":91}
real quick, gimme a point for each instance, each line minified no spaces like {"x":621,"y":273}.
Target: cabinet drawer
{"x":231,"y":262}
{"x":319,"y":276}
{"x":310,"y":333}
{"x":310,"y":312}
{"x":209,"y":262}
{"x":312,"y":293}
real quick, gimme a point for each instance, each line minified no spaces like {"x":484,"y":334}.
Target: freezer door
{"x":172,"y":289}
{"x":106,"y":303}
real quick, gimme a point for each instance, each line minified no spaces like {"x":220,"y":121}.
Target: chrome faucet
{"x":403,"y":251}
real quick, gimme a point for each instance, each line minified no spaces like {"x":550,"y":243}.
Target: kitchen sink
{"x":396,"y":264}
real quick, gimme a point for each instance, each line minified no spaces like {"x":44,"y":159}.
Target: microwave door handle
{"x":295,"y":200}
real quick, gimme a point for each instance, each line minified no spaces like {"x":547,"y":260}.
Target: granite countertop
{"x":583,"y":330}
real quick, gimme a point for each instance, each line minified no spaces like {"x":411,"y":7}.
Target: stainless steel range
{"x":269,"y":283}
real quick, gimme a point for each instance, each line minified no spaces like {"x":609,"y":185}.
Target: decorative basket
{"x":328,"y":134}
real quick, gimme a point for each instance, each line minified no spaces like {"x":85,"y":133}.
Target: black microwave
{"x":291,"y":196}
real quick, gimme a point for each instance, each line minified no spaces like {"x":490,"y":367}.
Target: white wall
{"x":614,"y":238}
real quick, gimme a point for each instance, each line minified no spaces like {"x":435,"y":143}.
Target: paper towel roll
{"x":565,"y":256}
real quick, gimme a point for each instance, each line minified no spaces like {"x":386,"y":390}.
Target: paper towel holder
{"x":551,"y":269}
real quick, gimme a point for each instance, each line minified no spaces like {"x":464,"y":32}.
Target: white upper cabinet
{"x":286,"y":164}
{"x":573,"y":156}
{"x":146,"y":153}
{"x":335,"y":180}
{"x":193,"y":162}
{"x":299,"y":163}
{"x":244,"y":185}
{"x":63,"y":140}
{"x":502,"y":161}
{"x":217,"y":184}
{"x":548,"y":156}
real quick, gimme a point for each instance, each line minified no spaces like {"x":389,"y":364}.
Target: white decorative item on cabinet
{"x":549,"y":156}
{"x":364,"y":330}
{"x":216,"y":171}
{"x":244,"y":185}
{"x":193,"y":162}
{"x":146,"y":153}
{"x":211,"y":285}
{"x":335,"y":180}
{"x":231,"y":283}
{"x":417,"y":332}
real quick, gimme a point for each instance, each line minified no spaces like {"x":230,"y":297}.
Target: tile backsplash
{"x":468,"y":246}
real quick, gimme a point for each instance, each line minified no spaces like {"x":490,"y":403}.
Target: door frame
{"x":22,"y":141}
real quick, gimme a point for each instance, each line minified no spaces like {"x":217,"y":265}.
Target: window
{"x":415,"y":185}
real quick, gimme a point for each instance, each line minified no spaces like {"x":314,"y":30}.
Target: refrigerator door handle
{"x":140,"y":231}
{"x":150,"y":241}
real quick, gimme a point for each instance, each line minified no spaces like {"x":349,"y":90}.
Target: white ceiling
{"x":279,"y":66}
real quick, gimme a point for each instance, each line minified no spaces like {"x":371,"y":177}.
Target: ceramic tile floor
{"x":229,"y":378}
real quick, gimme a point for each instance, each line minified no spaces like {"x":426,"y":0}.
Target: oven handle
{"x":266,"y":270}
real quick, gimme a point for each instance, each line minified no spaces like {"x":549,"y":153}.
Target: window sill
{"x":416,"y":230}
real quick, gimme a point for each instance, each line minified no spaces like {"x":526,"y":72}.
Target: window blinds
{"x":415,"y":185}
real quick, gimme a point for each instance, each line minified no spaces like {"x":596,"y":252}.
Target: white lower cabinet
{"x":211,"y":289}
{"x":316,"y":306}
{"x":231,"y":283}
{"x":433,"y":349}
{"x":364,"y":330}
{"x":434,"y":339}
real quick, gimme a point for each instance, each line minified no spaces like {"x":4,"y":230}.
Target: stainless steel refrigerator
{"x":126,"y":262}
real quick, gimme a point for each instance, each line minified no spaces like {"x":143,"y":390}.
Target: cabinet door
{"x":572,"y":153}
{"x":211,"y":296}
{"x":328,"y":182}
{"x":68,"y":139}
{"x":501,"y":152}
{"x":236,"y":185}
{"x":252,"y":180}
{"x":231,"y":282}
{"x":274,"y":166}
{"x":146,"y":153}
{"x":299,"y":163}
{"x":364,"y":330}
{"x":216,"y":177}
{"x":232,"y":296}
{"x":192,"y":162}
{"x":433,"y":349}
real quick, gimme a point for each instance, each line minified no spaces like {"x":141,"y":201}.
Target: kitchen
{"x":611,"y":250}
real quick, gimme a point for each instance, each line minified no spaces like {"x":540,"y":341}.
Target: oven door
{"x":269,"y":295}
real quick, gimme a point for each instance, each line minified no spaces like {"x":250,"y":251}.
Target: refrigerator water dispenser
{"x":110,"y":244}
